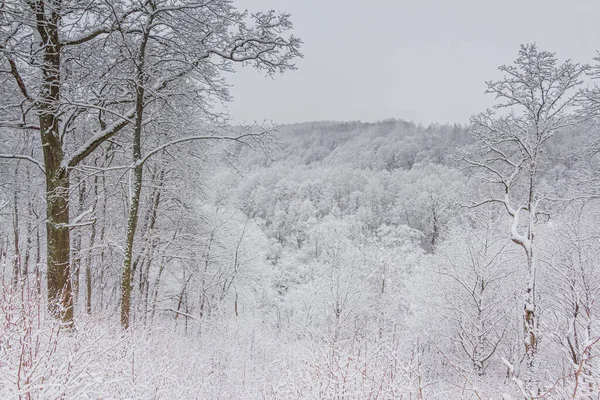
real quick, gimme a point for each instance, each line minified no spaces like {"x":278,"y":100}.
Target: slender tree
{"x":534,"y":99}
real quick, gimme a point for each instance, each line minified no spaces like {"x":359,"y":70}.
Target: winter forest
{"x":151,"y":248}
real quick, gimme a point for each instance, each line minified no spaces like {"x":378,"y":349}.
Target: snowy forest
{"x":150,"y":248}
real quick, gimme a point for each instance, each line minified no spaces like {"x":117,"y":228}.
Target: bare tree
{"x":475,"y":268}
{"x":534,"y":99}
{"x":573,"y":285}
{"x":68,"y":63}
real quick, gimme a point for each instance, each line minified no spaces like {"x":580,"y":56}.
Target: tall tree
{"x":534,"y":99}
{"x":68,"y":62}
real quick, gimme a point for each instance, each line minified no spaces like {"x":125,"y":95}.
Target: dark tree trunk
{"x":131,"y":228}
{"x":88,"y":265}
{"x":138,"y":170}
{"x":60,"y":299}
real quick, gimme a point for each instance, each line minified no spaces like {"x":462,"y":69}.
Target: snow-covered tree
{"x":534,"y":101}
{"x":72,"y":64}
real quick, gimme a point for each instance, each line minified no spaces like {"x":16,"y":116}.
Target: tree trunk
{"x":29,"y":232}
{"x":60,"y":299}
{"x":138,"y":170}
{"x":60,"y":296}
{"x":38,"y":261}
{"x":88,"y":264}
{"x":156,"y":288}
{"x":17,"y":252}
{"x":77,"y":244}
{"x":134,"y":206}
{"x":532,"y":377}
{"x":101,"y":275}
{"x":131,"y":227}
{"x":530,"y":331}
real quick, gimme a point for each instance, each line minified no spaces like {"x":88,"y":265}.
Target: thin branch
{"x":24,"y":157}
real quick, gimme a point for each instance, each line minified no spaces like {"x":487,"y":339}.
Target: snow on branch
{"x":240,"y":138}
{"x":24,"y":157}
{"x":96,"y":140}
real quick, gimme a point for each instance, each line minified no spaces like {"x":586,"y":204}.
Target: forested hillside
{"x":149,"y":248}
{"x":346,"y":259}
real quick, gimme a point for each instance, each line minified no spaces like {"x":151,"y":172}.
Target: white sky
{"x":418,"y":60}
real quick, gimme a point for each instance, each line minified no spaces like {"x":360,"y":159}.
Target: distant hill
{"x":386,"y":145}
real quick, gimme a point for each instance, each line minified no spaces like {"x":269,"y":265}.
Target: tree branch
{"x":24,"y":157}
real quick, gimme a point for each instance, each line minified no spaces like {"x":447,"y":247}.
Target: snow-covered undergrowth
{"x":39,"y":358}
{"x":224,"y":359}
{"x":353,"y":357}
{"x":220,"y":360}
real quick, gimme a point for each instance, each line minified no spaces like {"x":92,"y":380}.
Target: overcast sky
{"x":418,"y":60}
